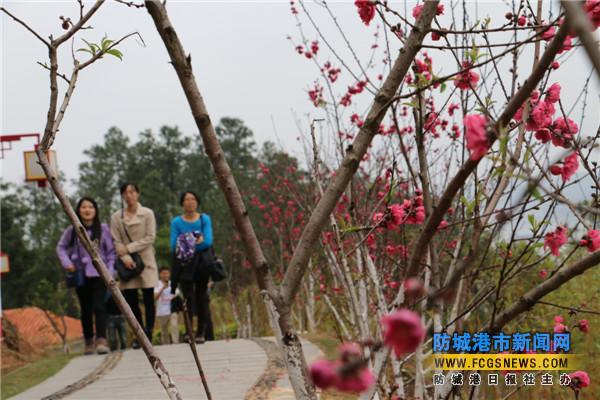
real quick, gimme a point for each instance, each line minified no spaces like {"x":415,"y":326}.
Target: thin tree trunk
{"x":291,"y":346}
{"x":310,"y":303}
{"x":336,"y":315}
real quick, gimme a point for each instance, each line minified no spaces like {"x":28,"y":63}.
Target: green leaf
{"x":106,"y":42}
{"x":532,"y":222}
{"x":119,"y":55}
{"x":352,"y":229}
{"x":536,"y":193}
{"x":442,"y":87}
{"x":86,"y":50}
{"x":474,"y":53}
{"x":93,"y":46}
{"x":468,"y":204}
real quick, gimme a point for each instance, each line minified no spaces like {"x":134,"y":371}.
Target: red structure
{"x":33,"y":170}
{"x":6,"y":141}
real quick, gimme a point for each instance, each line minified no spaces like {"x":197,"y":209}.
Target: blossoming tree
{"x":437,"y":197}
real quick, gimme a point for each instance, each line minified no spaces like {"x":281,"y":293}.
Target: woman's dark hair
{"x":125,"y":185}
{"x":96,"y":225}
{"x":189,"y":192}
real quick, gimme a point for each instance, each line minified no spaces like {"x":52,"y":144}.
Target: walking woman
{"x":192,"y":270}
{"x":89,"y":287}
{"x":133,"y":230}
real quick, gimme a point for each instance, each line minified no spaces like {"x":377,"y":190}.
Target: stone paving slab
{"x":75,"y":370}
{"x":231,"y":368}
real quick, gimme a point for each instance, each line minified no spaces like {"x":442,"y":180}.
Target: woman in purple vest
{"x":90,"y":288}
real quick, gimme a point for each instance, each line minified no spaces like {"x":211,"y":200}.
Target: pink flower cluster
{"x":583,"y":325}
{"x":592,"y":8}
{"x":316,"y":95}
{"x":356,"y":120}
{"x":332,"y":73}
{"x":403,"y":331}
{"x":308,"y":52}
{"x":579,"y":379}
{"x":346,"y":100}
{"x":569,"y":166}
{"x":411,"y":212}
{"x":559,"y":131}
{"x":366,"y":10}
{"x":591,"y":240}
{"x":347,"y":374}
{"x":418,"y":9}
{"x":467,"y":79}
{"x":476,"y":135}
{"x":554,"y":240}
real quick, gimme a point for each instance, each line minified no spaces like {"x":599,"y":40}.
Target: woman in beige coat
{"x":138,"y":222}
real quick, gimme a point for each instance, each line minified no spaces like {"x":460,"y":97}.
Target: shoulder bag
{"x":213,"y":264}
{"x":126,"y":274}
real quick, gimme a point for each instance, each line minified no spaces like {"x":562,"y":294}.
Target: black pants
{"x":195,"y":293}
{"x":132,"y":297}
{"x":92,"y":297}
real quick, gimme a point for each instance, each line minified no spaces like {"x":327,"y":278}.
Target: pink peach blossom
{"x":323,"y":373}
{"x":468,"y":78}
{"x":554,"y":240}
{"x":583,"y":325}
{"x":553,"y":93}
{"x":356,"y":382}
{"x":403,"y":331}
{"x":475,"y":133}
{"x":591,"y":240}
{"x":580,"y":379}
{"x":366,"y":10}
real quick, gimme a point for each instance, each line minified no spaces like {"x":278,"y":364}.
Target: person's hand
{"x":200,"y":239}
{"x":121,"y":250}
{"x":70,"y":268}
{"x":129,"y":263}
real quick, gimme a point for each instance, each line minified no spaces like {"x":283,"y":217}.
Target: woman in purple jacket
{"x":91,"y":290}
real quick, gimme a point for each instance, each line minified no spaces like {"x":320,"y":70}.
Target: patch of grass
{"x":329,"y":346}
{"x":23,"y":378}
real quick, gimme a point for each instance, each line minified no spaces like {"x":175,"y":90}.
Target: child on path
{"x":168,"y":322}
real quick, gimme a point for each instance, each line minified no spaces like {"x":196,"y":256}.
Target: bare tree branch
{"x":529,"y":299}
{"x":77,"y":26}
{"x":101,"y":53}
{"x":26,"y":26}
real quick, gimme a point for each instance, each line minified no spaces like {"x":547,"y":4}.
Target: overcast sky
{"x":244,"y":65}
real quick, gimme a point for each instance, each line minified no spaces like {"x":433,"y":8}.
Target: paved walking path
{"x":232,"y":369}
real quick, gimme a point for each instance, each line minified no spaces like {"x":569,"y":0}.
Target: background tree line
{"x":163,"y":163}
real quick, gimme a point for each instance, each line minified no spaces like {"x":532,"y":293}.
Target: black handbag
{"x":211,"y":263}
{"x":217,"y":270}
{"x":176,"y":304}
{"x":126,"y":274}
